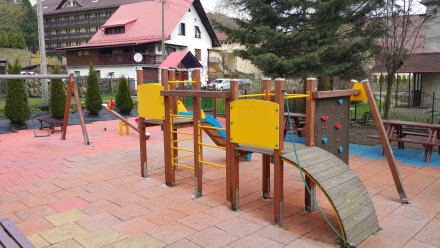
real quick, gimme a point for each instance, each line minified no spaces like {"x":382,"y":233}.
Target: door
{"x":417,"y":90}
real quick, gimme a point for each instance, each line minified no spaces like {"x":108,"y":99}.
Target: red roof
{"x":143,"y":23}
{"x":181,"y":59}
{"x":416,"y":63}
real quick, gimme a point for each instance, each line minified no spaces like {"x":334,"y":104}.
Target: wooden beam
{"x":70,"y":84}
{"x":311,"y":88}
{"x":334,"y":93}
{"x":80,"y":114}
{"x":385,"y":142}
{"x":278,"y":163}
{"x":233,"y":164}
{"x":197,"y":118}
{"x":266,"y":158}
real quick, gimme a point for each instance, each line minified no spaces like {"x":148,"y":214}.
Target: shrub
{"x":16,"y":109}
{"x":123,"y":99}
{"x":57,"y":96}
{"x":93,"y":96}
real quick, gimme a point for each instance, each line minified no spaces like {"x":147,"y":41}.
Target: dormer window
{"x":182,"y":29}
{"x":70,"y":3}
{"x":115,"y":30}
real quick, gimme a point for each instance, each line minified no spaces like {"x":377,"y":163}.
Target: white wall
{"x":432,"y":41}
{"x":127,"y":71}
{"x":191,"y":19}
{"x":431,"y":83}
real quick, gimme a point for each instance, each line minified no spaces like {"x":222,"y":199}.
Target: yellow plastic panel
{"x":255,"y":123}
{"x":151,"y":104}
{"x":181,"y":108}
{"x":362,"y":96}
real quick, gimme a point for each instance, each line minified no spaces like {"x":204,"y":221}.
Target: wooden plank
{"x":354,"y":206}
{"x":21,"y":240}
{"x":324,"y":165}
{"x":336,"y":180}
{"x":334,"y":93}
{"x":346,"y":198}
{"x":254,"y":149}
{"x":343,"y":188}
{"x":5,"y":240}
{"x":330,"y":172}
{"x":196,"y":93}
{"x":385,"y":142}
{"x":363,"y":230}
{"x":358,"y":216}
{"x":320,"y":163}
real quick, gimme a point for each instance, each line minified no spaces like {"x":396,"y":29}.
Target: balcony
{"x":92,"y":21}
{"x":69,"y":36}
{"x":110,"y":59}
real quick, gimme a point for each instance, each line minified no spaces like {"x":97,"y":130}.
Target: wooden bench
{"x":52,"y":122}
{"x":11,"y":237}
{"x":428,"y":146}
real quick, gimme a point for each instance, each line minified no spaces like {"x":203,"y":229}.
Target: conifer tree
{"x":57,"y":96}
{"x":29,"y":25}
{"x":16,"y":109}
{"x":93,"y":95}
{"x":300,"y":38}
{"x":123,"y":99}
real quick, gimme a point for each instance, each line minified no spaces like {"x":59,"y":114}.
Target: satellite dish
{"x":138,"y":58}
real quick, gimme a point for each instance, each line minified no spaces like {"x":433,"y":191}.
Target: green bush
{"x":93,"y":96}
{"x":123,"y":99}
{"x":16,"y":109}
{"x":57,"y":96}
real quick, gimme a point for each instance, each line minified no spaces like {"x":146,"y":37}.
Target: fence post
{"x":380,"y":95}
{"x":432,"y":107}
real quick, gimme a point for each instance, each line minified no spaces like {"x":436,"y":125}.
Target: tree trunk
{"x":390,"y":81}
{"x":324,"y":83}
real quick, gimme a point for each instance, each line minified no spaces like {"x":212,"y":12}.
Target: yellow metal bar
{"x":291,"y":96}
{"x":186,"y":156}
{"x":181,"y":81}
{"x":251,"y":95}
{"x":182,"y":149}
{"x":180,"y":132}
{"x":213,"y":146}
{"x":181,"y":140}
{"x":212,"y":164}
{"x":211,"y":127}
{"x":184,"y":166}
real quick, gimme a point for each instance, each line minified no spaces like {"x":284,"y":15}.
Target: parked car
{"x":220,"y":84}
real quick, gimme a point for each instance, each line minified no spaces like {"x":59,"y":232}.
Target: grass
{"x":31,"y":101}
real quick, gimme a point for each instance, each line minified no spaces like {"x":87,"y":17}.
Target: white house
{"x":137,"y":28}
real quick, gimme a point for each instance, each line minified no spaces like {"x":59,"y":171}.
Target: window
{"x":83,"y":53}
{"x":115,"y":30}
{"x":197,"y":33}
{"x":198,"y":54}
{"x":182,"y":29}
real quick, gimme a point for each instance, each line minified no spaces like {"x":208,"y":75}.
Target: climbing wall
{"x":331,"y":125}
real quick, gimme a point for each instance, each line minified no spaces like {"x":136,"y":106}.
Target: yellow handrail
{"x":184,"y":166}
{"x":182,"y":149}
{"x":251,"y":95}
{"x":212,"y":164}
{"x":186,"y":156}
{"x":291,"y":96}
{"x":213,"y":146}
{"x":179,"y":132}
{"x":181,"y":81}
{"x":182,"y":140}
{"x":211,"y":127}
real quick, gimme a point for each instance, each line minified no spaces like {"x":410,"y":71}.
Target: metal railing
{"x":416,"y":106}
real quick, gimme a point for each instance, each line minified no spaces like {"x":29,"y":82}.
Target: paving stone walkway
{"x":65,"y":194}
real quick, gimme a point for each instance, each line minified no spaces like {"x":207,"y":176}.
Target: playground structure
{"x":72,"y":87}
{"x":323,"y":160}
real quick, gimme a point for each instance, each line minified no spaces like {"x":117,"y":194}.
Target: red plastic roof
{"x":181,"y":59}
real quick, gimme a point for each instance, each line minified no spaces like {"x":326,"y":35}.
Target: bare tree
{"x":404,"y":23}
{"x":11,"y":15}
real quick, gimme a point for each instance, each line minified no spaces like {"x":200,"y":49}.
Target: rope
{"x":304,"y":180}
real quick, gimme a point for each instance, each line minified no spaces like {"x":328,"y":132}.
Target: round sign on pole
{"x":138,"y":58}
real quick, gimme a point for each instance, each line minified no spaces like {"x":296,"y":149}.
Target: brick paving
{"x":65,"y":194}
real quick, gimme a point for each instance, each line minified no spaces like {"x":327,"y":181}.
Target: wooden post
{"x":385,"y":142}
{"x":142,"y":130}
{"x":173,"y":102}
{"x":70,"y":85}
{"x":197,"y":121}
{"x":234,"y":159}
{"x":73,"y":88}
{"x":278,"y":163}
{"x":311,"y":86}
{"x":265,"y":157}
{"x":170,"y":176}
{"x":228,"y":145}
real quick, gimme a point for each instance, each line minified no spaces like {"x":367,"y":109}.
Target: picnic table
{"x":406,"y":132}
{"x":299,"y":121}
